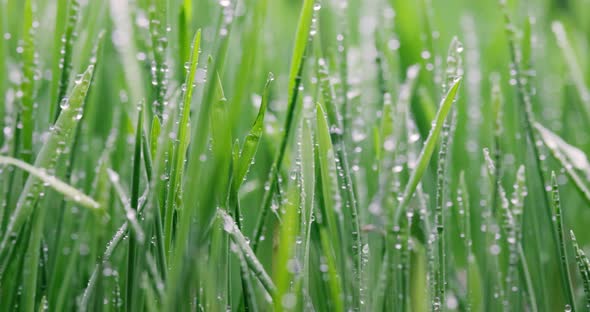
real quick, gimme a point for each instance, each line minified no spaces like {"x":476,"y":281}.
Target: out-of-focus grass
{"x":211,"y":188}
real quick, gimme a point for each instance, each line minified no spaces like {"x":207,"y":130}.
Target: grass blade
{"x":428,"y":149}
{"x":583,"y":267}
{"x":297,"y":64}
{"x":66,"y":50}
{"x":570,"y":157}
{"x":558,"y":227}
{"x":179,"y":154}
{"x":252,"y":139}
{"x":52,"y":181}
{"x":229,"y":225}
{"x":57,"y":141}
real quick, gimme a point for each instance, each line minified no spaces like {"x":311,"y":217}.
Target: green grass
{"x":312,"y":155}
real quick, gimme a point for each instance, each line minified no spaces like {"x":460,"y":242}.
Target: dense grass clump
{"x":310,"y":155}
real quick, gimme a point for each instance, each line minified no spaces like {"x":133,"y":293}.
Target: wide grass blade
{"x":60,"y":137}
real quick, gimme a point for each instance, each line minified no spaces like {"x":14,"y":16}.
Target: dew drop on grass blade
{"x":65,"y":60}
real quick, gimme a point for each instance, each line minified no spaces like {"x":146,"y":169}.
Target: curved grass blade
{"x":253,"y":139}
{"x":59,"y":139}
{"x":52,"y":181}
{"x":570,"y":157}
{"x":428,"y":149}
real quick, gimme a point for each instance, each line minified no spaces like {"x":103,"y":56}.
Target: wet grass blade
{"x":66,"y":51}
{"x":330,"y":211}
{"x":252,"y":140}
{"x":27,"y":86}
{"x":308,"y":189}
{"x":563,"y":259}
{"x":286,"y":297}
{"x":570,"y":157}
{"x":134,"y":266}
{"x":427,"y":150}
{"x":583,"y":267}
{"x":53,"y":182}
{"x":525,"y":108}
{"x":59,"y":139}
{"x":157,"y":27}
{"x":347,"y":186}
{"x":254,"y":264}
{"x":179,"y":154}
